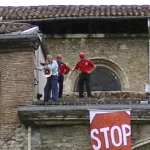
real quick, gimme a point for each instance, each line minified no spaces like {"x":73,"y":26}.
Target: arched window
{"x":103,"y":79}
{"x":107,"y":76}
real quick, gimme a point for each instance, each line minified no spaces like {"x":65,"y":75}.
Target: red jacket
{"x":84,"y":65}
{"x":63,"y":68}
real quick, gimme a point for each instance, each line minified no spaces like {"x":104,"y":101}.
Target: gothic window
{"x":103,"y":79}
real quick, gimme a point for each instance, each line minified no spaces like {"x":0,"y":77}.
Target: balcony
{"x":72,"y":110}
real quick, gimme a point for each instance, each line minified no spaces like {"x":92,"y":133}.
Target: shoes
{"x":39,"y":96}
{"x":91,"y":96}
{"x":54,"y":100}
{"x":81,"y":96}
{"x":46,"y":103}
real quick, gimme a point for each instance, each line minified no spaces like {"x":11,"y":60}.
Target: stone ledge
{"x":113,"y":97}
{"x":66,"y":115}
{"x":80,"y":36}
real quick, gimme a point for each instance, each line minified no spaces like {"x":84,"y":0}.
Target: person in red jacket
{"x":63,"y":69}
{"x":84,"y":67}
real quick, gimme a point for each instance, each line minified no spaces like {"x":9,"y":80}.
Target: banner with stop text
{"x":110,"y":130}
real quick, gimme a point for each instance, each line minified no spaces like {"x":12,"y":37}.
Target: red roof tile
{"x":46,"y":12}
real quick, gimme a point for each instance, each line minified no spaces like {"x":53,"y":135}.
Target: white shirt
{"x":54,"y":67}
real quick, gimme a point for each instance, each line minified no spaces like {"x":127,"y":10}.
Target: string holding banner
{"x":110,"y":129}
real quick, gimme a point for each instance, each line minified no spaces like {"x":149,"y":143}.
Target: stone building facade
{"x":24,"y":126}
{"x":16,"y":82}
{"x":127,"y":57}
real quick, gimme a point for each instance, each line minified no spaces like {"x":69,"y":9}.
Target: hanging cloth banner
{"x":110,"y":130}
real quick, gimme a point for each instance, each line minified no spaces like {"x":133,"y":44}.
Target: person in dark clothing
{"x":84,"y":67}
{"x":63,"y":69}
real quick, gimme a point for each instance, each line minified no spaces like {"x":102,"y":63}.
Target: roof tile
{"x":7,"y":27}
{"x":97,"y":11}
{"x":58,"y":11}
{"x":148,"y":10}
{"x":141,"y":13}
{"x":102,"y":10}
{"x":54,"y":11}
{"x":124,"y":11}
{"x":108,"y":11}
{"x":86,"y":11}
{"x":76,"y":11}
{"x":113,"y":10}
{"x":81,"y":11}
{"x":129,"y":11}
{"x":92,"y":11}
{"x":118,"y":10}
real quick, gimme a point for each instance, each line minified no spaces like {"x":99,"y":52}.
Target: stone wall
{"x":61,"y":138}
{"x":16,"y":88}
{"x":129,"y":54}
{"x":75,"y":137}
{"x":18,"y":141}
{"x":140,"y":132}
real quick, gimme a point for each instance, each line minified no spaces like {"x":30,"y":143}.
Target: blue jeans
{"x":51,"y":85}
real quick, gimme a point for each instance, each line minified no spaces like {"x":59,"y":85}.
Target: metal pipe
{"x":38,"y":63}
{"x":29,"y":137}
{"x":149,"y":50}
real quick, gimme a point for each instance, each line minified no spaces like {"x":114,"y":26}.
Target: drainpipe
{"x":147,"y":87}
{"x":149,"y":50}
{"x":38,"y":62}
{"x":29,"y":137}
{"x":38,"y":65}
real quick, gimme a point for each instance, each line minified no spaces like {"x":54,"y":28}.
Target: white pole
{"x":38,"y":63}
{"x":149,"y":59}
{"x":149,"y":50}
{"x":29,"y":137}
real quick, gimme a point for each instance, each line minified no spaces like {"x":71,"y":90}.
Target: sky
{"x":72,"y":2}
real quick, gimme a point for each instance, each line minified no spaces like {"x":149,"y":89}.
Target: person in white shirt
{"x":51,"y":85}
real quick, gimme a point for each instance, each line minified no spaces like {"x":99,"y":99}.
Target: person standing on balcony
{"x":52,"y":81}
{"x":84,"y":67}
{"x":63,"y":70}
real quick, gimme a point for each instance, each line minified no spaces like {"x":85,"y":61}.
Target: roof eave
{"x":84,"y":17}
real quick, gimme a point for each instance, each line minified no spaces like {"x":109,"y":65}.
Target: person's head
{"x":59,"y":57}
{"x":82,"y":55}
{"x":49,"y":58}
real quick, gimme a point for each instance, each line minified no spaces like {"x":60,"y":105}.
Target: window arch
{"x":102,"y":79}
{"x":107,"y":66}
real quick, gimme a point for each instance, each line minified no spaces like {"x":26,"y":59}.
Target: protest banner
{"x":110,"y":130}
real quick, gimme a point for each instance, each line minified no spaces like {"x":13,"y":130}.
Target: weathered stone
{"x":63,"y":137}
{"x":16,"y":86}
{"x":129,"y":54}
